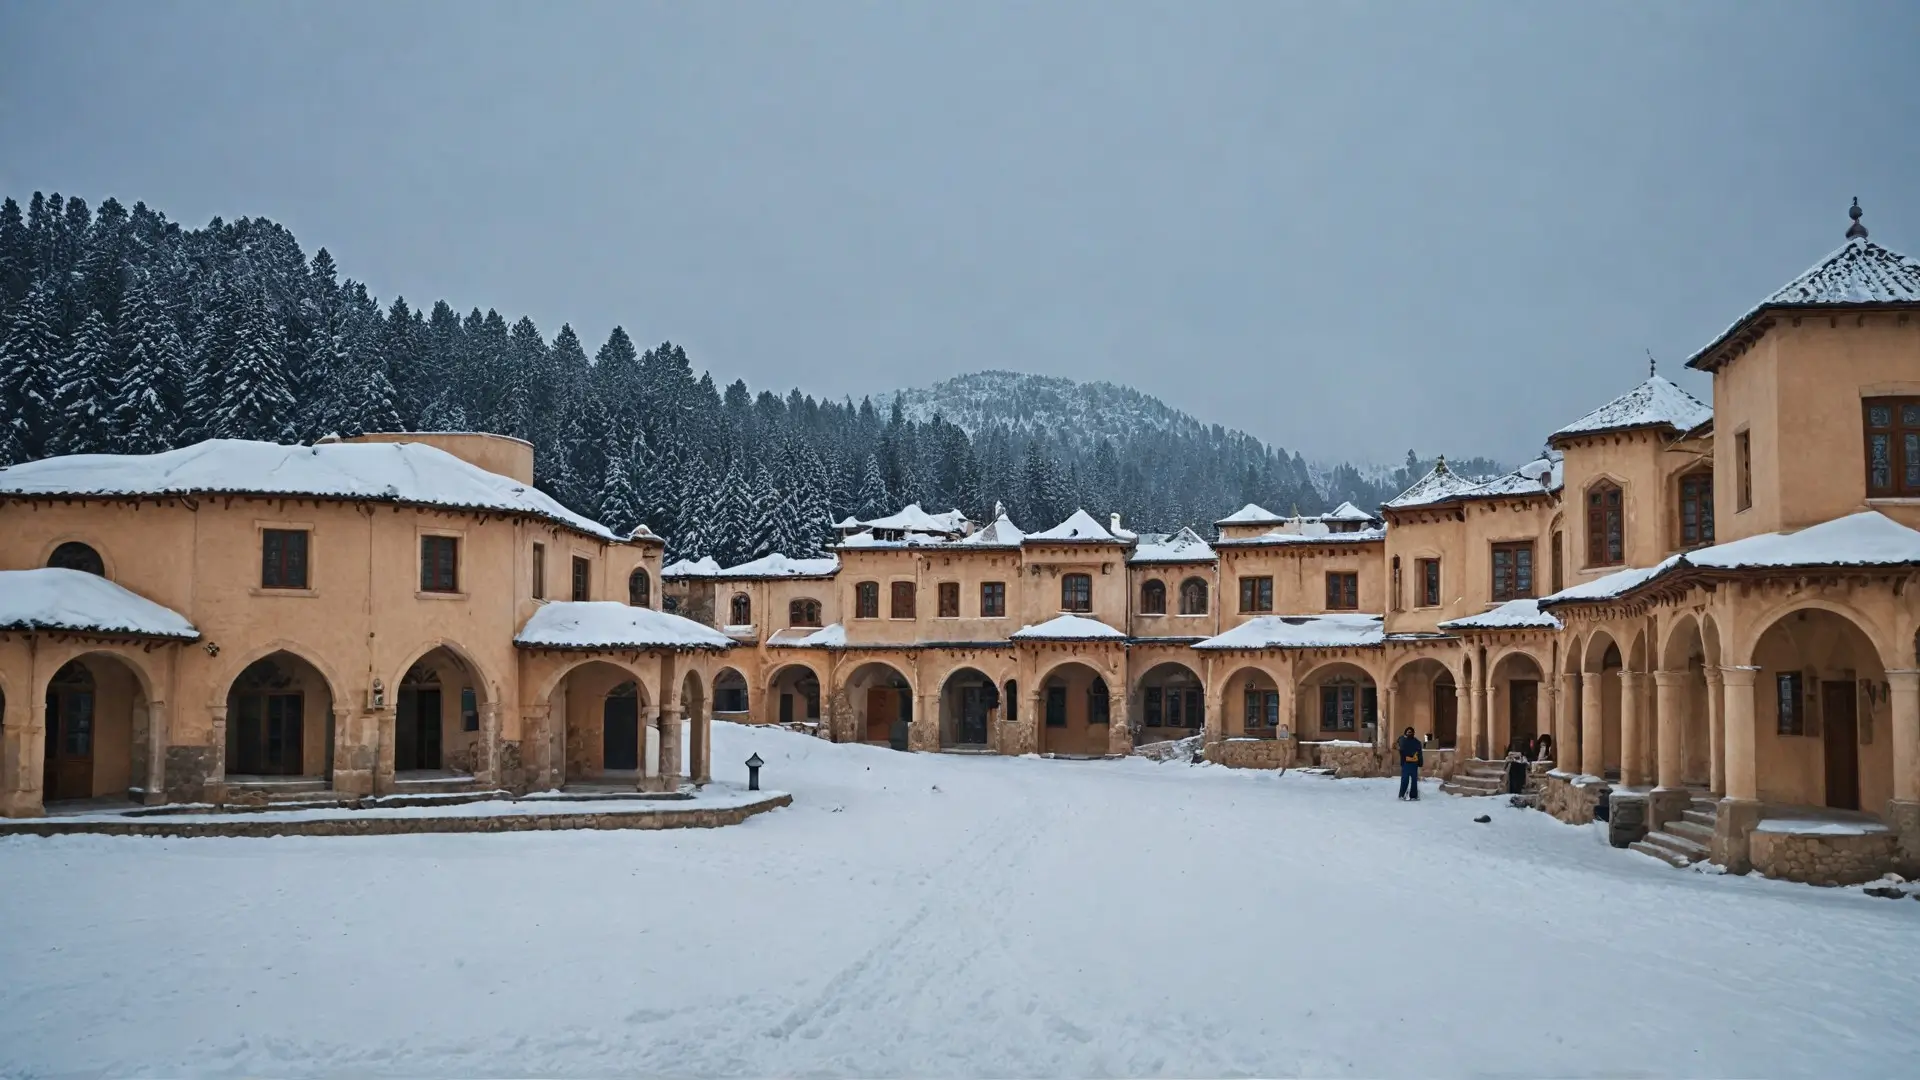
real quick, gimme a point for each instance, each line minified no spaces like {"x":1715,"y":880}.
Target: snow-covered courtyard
{"x":935,"y":915}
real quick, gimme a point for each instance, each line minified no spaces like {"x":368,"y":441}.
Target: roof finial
{"x":1440,"y":465}
{"x":1856,"y":231}
{"x":1652,"y":368}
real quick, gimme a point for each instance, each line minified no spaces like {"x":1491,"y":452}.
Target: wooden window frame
{"x":539,"y":571}
{"x":993,"y":599}
{"x":866,"y":600}
{"x":1048,"y":697}
{"x":1790,"y":703}
{"x":643,"y":596}
{"x":803,"y":611}
{"x":580,"y":579}
{"x":1256,"y":594}
{"x":1743,"y":470}
{"x":431,"y":579}
{"x":1517,"y":582}
{"x":273,"y":572}
{"x":738,"y":604}
{"x":1343,"y":590}
{"x":948,"y":598}
{"x":1702,"y":508}
{"x":903,"y":600}
{"x":1902,"y":432}
{"x":1605,"y":524}
{"x":1426,"y":582}
{"x":1260,"y":709}
{"x":1076,"y":593}
{"x":1099,"y":702}
{"x":1153,"y":597}
{"x":1188,"y":589}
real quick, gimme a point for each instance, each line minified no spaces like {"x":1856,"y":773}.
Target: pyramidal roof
{"x":1251,"y":514}
{"x":1078,"y":529}
{"x":1346,"y":511}
{"x":1438,"y":486}
{"x":1858,"y":272}
{"x":1002,"y":533}
{"x":1654,"y":403}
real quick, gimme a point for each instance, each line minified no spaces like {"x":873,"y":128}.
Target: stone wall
{"x":1347,"y":759}
{"x":1011,"y":739}
{"x":1243,"y":753}
{"x":1570,"y":797}
{"x":1818,"y":858}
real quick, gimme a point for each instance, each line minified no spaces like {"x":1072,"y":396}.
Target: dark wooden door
{"x":67,"y":772}
{"x":284,"y":735}
{"x":786,"y":708}
{"x":973,"y":716}
{"x":1842,"y":739}
{"x":1446,"y":717}
{"x":416,"y":730}
{"x":881,"y":710}
{"x":1523,"y":705}
{"x":620,"y":734}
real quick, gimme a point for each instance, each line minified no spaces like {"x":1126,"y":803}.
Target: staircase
{"x":1687,"y":839}
{"x":271,"y":789}
{"x":1478,"y":778}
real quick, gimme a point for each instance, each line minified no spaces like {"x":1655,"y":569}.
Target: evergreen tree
{"x":147,"y":402}
{"x":81,"y":403}
{"x":874,"y":499}
{"x":619,"y":504}
{"x":251,"y":398}
{"x":28,"y":359}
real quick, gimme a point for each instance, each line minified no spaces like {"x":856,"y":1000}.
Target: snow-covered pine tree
{"x":147,"y":402}
{"x":28,"y":357}
{"x":764,"y":532}
{"x":252,"y":398}
{"x":619,"y":505}
{"x":874,"y":499}
{"x":443,"y":413}
{"x":731,"y":516}
{"x":81,"y":401}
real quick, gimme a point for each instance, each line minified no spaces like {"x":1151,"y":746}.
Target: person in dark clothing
{"x":1412,"y":756}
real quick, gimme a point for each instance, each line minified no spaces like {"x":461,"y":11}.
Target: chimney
{"x":1113,"y":523}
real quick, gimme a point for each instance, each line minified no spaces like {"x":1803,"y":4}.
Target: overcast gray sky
{"x":1348,"y":229}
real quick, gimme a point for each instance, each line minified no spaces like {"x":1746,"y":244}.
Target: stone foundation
{"x":1347,"y":759}
{"x":1733,"y":824}
{"x":1571,"y":797}
{"x":1823,"y":858}
{"x":1904,"y":819}
{"x":1665,"y":805}
{"x":1012,"y":739}
{"x":188,"y":770}
{"x":1244,"y":753}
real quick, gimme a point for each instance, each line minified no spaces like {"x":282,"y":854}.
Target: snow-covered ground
{"x":924,"y":915}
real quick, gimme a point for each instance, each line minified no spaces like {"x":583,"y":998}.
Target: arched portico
{"x":794,"y":693}
{"x":699,"y":721}
{"x":1820,"y":714}
{"x":1253,"y":703}
{"x":1171,"y":702}
{"x":96,"y":725}
{"x":1337,"y":699}
{"x":731,"y":698}
{"x":882,"y":698}
{"x":969,"y":700}
{"x":1518,"y":703}
{"x":280,"y":730}
{"x":1427,"y":699}
{"x":605,"y":721}
{"x":443,"y":712}
{"x":1600,"y":690}
{"x":1076,"y":711}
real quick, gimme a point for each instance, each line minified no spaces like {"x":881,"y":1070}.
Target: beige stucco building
{"x":1705,"y":612}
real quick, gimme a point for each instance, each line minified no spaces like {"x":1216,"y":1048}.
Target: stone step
{"x":1490,"y":783}
{"x":1708,"y":803}
{"x":432,"y":783}
{"x":1700,"y":817}
{"x":1645,"y":847}
{"x":1692,"y":830}
{"x":300,"y":789}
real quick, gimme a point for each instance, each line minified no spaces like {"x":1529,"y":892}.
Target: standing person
{"x":1412,"y":756}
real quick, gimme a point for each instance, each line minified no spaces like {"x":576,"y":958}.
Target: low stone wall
{"x":247,"y":825}
{"x":1571,"y":797}
{"x":1821,"y":858}
{"x":1244,"y":753}
{"x":1347,"y":759}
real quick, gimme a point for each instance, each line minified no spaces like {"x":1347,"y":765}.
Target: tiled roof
{"x":1654,"y":403}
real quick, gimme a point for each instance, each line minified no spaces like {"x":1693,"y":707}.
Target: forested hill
{"x":121,"y":331}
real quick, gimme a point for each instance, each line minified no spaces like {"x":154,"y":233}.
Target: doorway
{"x":973,"y":716}
{"x":620,"y":730}
{"x":67,"y":772}
{"x":1446,"y":717}
{"x":1523,"y":710}
{"x":416,"y":739}
{"x":1841,"y":740}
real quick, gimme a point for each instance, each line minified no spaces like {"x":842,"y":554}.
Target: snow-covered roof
{"x":1864,"y":539}
{"x":1441,"y":484}
{"x":1080,"y":528}
{"x":409,"y":474}
{"x":866,"y":539}
{"x":1251,"y":514}
{"x":76,"y":601}
{"x":1002,"y":533}
{"x":1346,"y":511}
{"x":1300,"y":632}
{"x":1067,"y":628}
{"x":1184,"y":546}
{"x":1311,"y":532}
{"x":1512,"y":615}
{"x":913,"y":519}
{"x":704,"y":566}
{"x":1543,"y":475}
{"x":831,"y":636}
{"x":848,"y":522}
{"x":777,"y":565}
{"x":608,"y":625}
{"x":1653,"y":404}
{"x":1859,"y":272}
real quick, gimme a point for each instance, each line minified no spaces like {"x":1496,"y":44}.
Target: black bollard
{"x":753,"y":772}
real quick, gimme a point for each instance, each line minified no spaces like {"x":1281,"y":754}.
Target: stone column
{"x":156,"y":783}
{"x":22,"y":756}
{"x":486,"y":764}
{"x":1390,"y":725}
{"x":1670,"y":798}
{"x":1903,"y":810}
{"x":1633,"y":772}
{"x":1716,"y":737}
{"x":649,"y":778}
{"x":1481,"y":742}
{"x":385,"y":746}
{"x":700,"y":748}
{"x":1119,"y":725}
{"x":1740,"y":810}
{"x":1036,"y":722}
{"x":1593,"y":733}
{"x":670,"y":747}
{"x":213,"y":787}
{"x":924,"y":732}
{"x":1566,"y":746}
{"x":1462,"y":725}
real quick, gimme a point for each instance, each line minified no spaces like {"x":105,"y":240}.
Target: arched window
{"x":1606,"y":525}
{"x":866,"y":600}
{"x":1076,"y":592}
{"x":1153,"y":598}
{"x":803,"y":612}
{"x":1696,"y":508}
{"x":640,"y":589}
{"x":1193,"y":596}
{"x":74,"y":555}
{"x":740,"y":610}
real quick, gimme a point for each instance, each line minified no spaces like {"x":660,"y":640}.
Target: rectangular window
{"x":1606,"y":525}
{"x":1076,"y":592}
{"x":1743,"y":466}
{"x":1427,"y":576}
{"x":866,"y":600}
{"x":949,"y":599}
{"x":582,"y":578}
{"x":1793,"y":710}
{"x":1056,"y":706}
{"x":469,"y":710}
{"x":1343,"y":591}
{"x":439,"y":564}
{"x":1262,"y":708}
{"x":1156,"y":707}
{"x":1696,"y":509}
{"x":283,"y":558}
{"x":1256,"y":594}
{"x":902,"y":600}
{"x":1512,"y":570}
{"x":1893,"y":446}
{"x":993,"y":599}
{"x":1097,"y":704}
{"x":539,"y":571}
{"x":1559,"y":564}
{"x":1339,"y":707}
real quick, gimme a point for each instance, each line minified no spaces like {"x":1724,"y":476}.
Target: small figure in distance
{"x":1412,"y":756}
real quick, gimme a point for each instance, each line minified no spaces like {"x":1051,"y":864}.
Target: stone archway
{"x":699,"y":721}
{"x":731,"y":699}
{"x":605,"y":719}
{"x":794,"y":691}
{"x":438,"y":731}
{"x":1337,"y":700}
{"x":96,"y":716}
{"x":969,"y":699}
{"x":1076,"y":711}
{"x":280,"y":736}
{"x":1821,"y":713}
{"x":1252,"y":704}
{"x":1170,"y":703}
{"x":1685,"y":750}
{"x":882,"y":699}
{"x":1518,"y":700}
{"x":1426,"y":699}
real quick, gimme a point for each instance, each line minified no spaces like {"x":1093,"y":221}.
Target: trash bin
{"x":1626,"y":821}
{"x":1516,"y":776}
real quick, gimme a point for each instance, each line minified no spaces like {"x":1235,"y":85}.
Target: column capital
{"x":1739,"y":675}
{"x":1628,"y":675}
{"x":1669,"y":678}
{"x":1903,"y":677}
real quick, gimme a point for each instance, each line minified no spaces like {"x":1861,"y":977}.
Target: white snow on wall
{"x":831,"y":636}
{"x":1300,"y":632}
{"x":608,"y":624}
{"x":777,"y":565}
{"x":411,"y":474}
{"x":1067,"y":628}
{"x":54,"y":599}
{"x":1078,"y":528}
